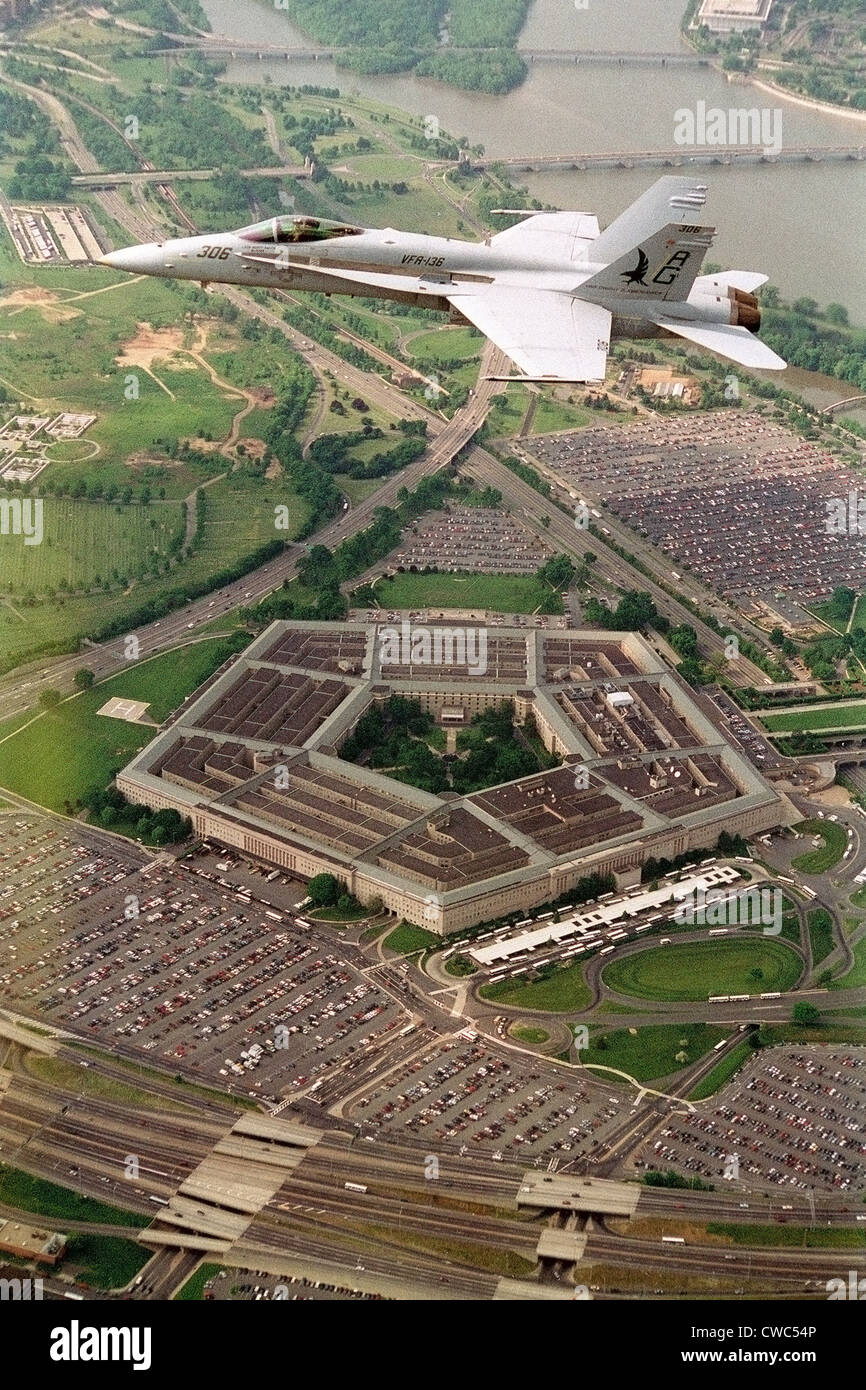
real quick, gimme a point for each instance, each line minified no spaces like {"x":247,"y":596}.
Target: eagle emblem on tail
{"x":636,"y":276}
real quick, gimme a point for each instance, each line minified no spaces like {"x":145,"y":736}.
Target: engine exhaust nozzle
{"x":745,"y":311}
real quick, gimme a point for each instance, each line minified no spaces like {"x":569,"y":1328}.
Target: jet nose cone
{"x":139,"y":260}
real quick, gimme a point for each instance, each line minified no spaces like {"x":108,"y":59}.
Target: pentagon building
{"x":253,"y":759}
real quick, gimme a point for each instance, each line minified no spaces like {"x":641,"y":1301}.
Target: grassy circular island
{"x":748,"y":965}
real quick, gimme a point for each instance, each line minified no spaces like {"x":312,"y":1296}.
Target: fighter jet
{"x":550,"y":291}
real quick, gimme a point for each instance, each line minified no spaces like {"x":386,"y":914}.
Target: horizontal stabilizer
{"x":736,"y":343}
{"x":747,"y":280}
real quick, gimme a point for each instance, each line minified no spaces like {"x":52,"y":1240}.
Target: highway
{"x":461,"y":1232}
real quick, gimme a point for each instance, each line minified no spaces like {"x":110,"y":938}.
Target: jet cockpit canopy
{"x":284,"y":230}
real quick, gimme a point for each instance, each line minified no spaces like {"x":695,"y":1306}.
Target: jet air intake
{"x":745,"y":312}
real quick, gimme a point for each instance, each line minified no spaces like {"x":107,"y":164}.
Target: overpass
{"x":139,"y":176}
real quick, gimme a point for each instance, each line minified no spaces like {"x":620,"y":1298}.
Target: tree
{"x":83,"y":678}
{"x":806,"y":1015}
{"x":558,"y":572}
{"x":324,"y":890}
{"x":50,"y":699}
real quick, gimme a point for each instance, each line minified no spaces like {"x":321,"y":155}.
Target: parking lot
{"x":246,"y":1286}
{"x":737,"y":499}
{"x":478,"y":539}
{"x":465,"y":1095}
{"x":793,"y":1117}
{"x":153,"y":957}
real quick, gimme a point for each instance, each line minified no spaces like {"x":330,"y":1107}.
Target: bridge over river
{"x":239,"y":48}
{"x":683,"y":155}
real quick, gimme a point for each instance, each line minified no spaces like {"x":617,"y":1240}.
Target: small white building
{"x":734,"y":16}
{"x":620,"y":699}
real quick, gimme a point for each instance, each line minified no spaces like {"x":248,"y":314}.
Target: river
{"x":800,"y":223}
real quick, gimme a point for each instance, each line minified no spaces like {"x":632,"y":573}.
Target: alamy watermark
{"x":853,"y":1289}
{"x":22,"y":516}
{"x":846,"y":516}
{"x":21,"y":1290}
{"x":743,"y":126}
{"x":719,"y":907}
{"x":414,"y":645}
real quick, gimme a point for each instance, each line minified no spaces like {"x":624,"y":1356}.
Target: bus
{"x":673,"y":1240}
{"x":719,"y":1045}
{"x":606,"y":950}
{"x":354,"y":1187}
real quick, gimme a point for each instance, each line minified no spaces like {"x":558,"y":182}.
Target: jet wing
{"x":549,"y":335}
{"x":556,"y":236}
{"x":730,"y":341}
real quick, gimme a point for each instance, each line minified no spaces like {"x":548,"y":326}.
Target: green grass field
{"x":497,"y":593}
{"x":507,"y":413}
{"x":534,"y":1036}
{"x":69,"y":330}
{"x":650,"y":1052}
{"x":445,"y":344}
{"x":61,"y":755}
{"x":698,"y":969}
{"x":552,"y":415}
{"x":812,"y":1237}
{"x":820,"y":934}
{"x":817,"y":717}
{"x":106,"y":1262}
{"x":856,"y":976}
{"x":239,"y":519}
{"x":722,"y":1072}
{"x":406,"y":938}
{"x":818,"y":861}
{"x":21,"y":1190}
{"x":193,"y":1289}
{"x":88,"y":542}
{"x":564,"y":991}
